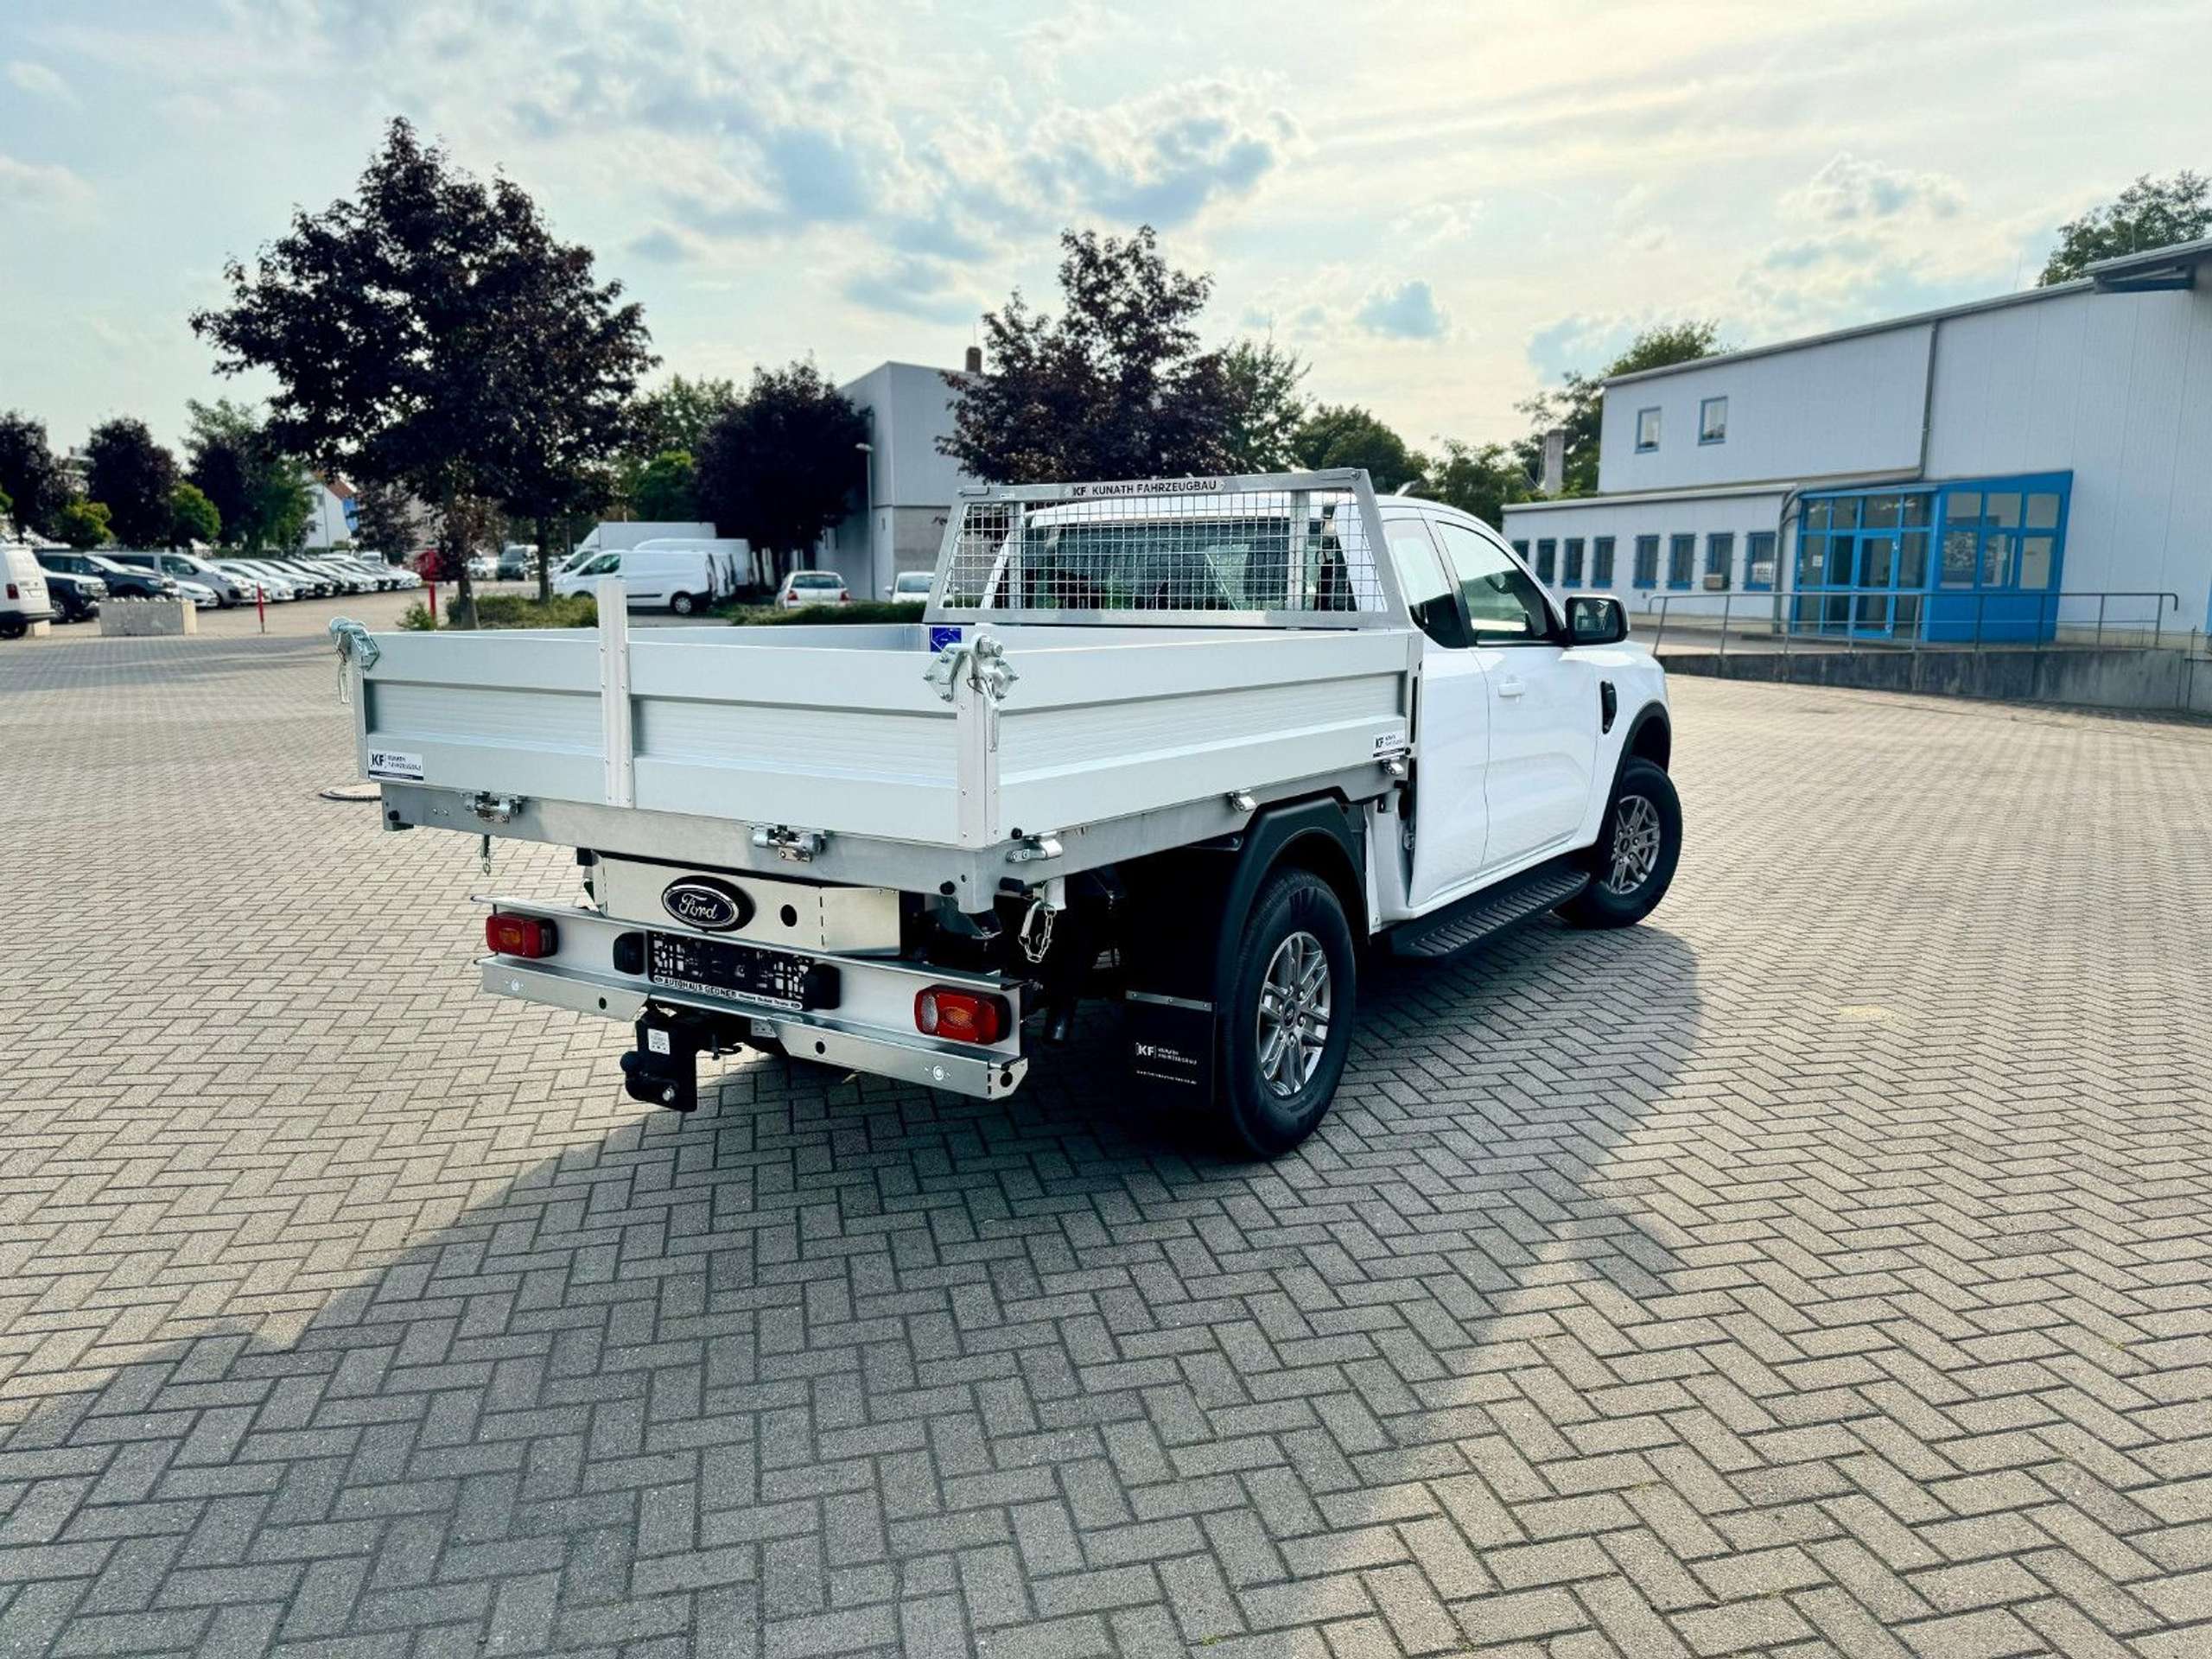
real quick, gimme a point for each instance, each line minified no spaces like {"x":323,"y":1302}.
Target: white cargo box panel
{"x":1030,"y":721}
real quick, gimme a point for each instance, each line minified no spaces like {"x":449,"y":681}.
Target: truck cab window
{"x":1503,"y":600}
{"x":1426,"y":587}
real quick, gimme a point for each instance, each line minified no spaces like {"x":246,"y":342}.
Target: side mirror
{"x":1595,"y":619}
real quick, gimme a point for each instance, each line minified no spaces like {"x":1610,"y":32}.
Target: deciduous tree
{"x":779,"y":467}
{"x":192,"y":518}
{"x":260,"y":493}
{"x":1265,"y":407}
{"x":1481,"y":481}
{"x":30,"y":474}
{"x":1115,"y":386}
{"x":125,"y":468}
{"x":1578,"y":402}
{"x":1344,"y":435}
{"x":667,"y":488}
{"x":431,"y":333}
{"x":83,"y":525}
{"x":2149,"y":214}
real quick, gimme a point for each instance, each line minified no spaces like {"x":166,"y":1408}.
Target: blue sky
{"x":1440,"y":205}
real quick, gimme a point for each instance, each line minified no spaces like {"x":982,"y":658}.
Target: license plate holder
{"x":727,"y":967}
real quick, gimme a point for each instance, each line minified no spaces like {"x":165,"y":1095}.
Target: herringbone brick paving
{"x":1819,"y":1267}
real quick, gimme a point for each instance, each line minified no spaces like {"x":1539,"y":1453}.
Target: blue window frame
{"x":1546,"y":559}
{"x":1646,"y":430}
{"x":1712,"y":421}
{"x":1647,"y":561}
{"x":1758,"y":557}
{"x":1570,"y":568}
{"x":1952,"y":560}
{"x":1721,"y":557}
{"x":1681,"y":560}
{"x":1601,"y":562}
{"x":1521,"y":551}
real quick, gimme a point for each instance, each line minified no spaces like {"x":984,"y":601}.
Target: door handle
{"x":1511,"y":688}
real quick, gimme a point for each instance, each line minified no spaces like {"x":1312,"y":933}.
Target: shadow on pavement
{"x":844,"y":1365}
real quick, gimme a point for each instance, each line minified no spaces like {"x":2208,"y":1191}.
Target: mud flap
{"x":1172,"y":1043}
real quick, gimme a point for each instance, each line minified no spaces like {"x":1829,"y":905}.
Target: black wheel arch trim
{"x":1650,"y":737}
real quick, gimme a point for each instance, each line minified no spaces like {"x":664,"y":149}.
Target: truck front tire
{"x":1633,"y":862}
{"x":683,"y":604}
{"x":1287,"y":1026}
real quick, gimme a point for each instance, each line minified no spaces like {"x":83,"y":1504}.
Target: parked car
{"x":123,"y":581}
{"x":683,"y":579}
{"x":910,"y":585}
{"x":334,"y":578}
{"x":198,"y":592}
{"x":273,"y":588}
{"x":304,"y":584}
{"x":24,"y":596}
{"x":804,"y":588}
{"x":75,"y":599}
{"x":188,"y":567}
{"x":516,"y":560}
{"x":482,"y":567}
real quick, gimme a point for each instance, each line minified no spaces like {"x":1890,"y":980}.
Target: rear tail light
{"x":12,"y":593}
{"x":520,"y":936}
{"x":962,"y":1016}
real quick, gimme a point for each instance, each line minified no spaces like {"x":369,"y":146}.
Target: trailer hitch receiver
{"x":664,"y":1069}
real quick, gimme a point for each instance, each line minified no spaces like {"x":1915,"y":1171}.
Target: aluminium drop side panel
{"x":818,"y":737}
{"x":510,"y":713}
{"x":1090,"y":733}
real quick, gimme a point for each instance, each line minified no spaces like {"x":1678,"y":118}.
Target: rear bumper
{"x":580,"y":978}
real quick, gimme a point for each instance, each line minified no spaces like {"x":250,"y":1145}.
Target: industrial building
{"x":2009,"y":467}
{"x":906,"y":483}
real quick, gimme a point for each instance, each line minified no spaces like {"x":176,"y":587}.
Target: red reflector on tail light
{"x":962,"y":1016}
{"x":12,"y":593}
{"x":520,"y":936}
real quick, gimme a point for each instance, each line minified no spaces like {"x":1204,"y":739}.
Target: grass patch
{"x":874,"y":610}
{"x":515,"y":611}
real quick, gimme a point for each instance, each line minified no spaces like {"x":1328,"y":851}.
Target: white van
{"x":682,"y":579}
{"x":24,"y":599}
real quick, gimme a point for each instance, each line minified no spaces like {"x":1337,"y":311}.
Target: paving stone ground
{"x":1819,"y":1267}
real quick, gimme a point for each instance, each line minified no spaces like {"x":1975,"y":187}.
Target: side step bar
{"x":1481,"y":915}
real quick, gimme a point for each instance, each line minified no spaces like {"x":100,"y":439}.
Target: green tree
{"x":2149,"y":214}
{"x":192,"y":518}
{"x":778,"y":468}
{"x":384,"y":521}
{"x":7,"y":508}
{"x":1265,"y":407}
{"x":29,"y":473}
{"x":83,"y":525}
{"x":1344,"y":435}
{"x":677,"y":415}
{"x":667,"y":489}
{"x":1480,"y":480}
{"x":1114,"y":387}
{"x":259,"y":493}
{"x":134,"y":475}
{"x":1578,"y":403}
{"x":431,"y":333}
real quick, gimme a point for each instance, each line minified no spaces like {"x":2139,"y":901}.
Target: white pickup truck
{"x":1200,"y":745}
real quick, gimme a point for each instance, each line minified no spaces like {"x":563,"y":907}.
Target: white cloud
{"x":35,"y":184}
{"x":1405,"y":311}
{"x":40,"y":82}
{"x":1848,"y":190}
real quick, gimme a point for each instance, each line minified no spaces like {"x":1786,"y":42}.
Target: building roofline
{"x":1719,"y":491}
{"x":1916,"y":319}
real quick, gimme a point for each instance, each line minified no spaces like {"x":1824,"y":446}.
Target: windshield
{"x":914,"y":581}
{"x":817,"y":579}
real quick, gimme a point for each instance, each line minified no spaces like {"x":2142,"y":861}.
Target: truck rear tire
{"x":1287,"y":1028}
{"x":682,"y":604}
{"x":1633,"y":862}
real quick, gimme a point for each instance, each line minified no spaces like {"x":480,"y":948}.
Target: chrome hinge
{"x":493,"y":809}
{"x":792,"y":845}
{"x":1031,"y":848}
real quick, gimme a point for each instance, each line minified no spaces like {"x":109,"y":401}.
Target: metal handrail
{"x":1779,"y":600}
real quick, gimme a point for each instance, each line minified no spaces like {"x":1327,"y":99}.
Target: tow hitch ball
{"x":664,"y":1069}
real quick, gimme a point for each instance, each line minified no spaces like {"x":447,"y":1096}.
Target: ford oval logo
{"x":703,"y":902}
